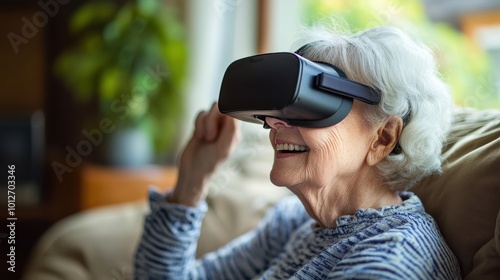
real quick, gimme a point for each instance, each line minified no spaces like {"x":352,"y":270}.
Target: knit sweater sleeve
{"x":168,"y":245}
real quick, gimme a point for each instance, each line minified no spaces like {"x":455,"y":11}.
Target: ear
{"x":386,"y":139}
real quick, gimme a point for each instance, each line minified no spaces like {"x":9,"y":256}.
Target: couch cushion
{"x":94,"y":244}
{"x":465,"y":199}
{"x":487,"y":259}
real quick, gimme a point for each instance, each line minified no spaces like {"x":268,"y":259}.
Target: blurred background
{"x":97,"y":97}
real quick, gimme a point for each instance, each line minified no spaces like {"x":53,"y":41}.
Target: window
{"x":471,"y":72}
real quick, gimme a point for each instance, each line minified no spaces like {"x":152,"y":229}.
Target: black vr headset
{"x":291,"y":88}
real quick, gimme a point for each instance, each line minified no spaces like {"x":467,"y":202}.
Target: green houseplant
{"x":131,"y":59}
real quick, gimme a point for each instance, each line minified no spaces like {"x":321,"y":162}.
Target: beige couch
{"x":465,"y":201}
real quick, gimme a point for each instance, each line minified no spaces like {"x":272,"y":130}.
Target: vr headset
{"x":289,"y":87}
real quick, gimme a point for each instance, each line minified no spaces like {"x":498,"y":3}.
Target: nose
{"x":275,"y":123}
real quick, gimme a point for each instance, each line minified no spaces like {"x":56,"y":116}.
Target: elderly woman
{"x":352,"y":215}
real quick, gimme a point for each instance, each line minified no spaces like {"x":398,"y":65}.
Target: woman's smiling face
{"x":320,"y":157}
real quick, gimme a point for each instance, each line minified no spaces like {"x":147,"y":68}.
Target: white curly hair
{"x":405,"y":71}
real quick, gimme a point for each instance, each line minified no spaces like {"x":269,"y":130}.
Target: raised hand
{"x":213,"y":140}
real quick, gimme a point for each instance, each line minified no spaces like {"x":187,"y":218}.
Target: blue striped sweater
{"x":396,"y":242}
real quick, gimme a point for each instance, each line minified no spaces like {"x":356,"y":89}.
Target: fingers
{"x":213,"y":123}
{"x":199,"y":131}
{"x":229,"y":129}
{"x":209,"y":125}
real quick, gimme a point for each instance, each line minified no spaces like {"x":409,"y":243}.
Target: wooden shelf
{"x":101,"y":185}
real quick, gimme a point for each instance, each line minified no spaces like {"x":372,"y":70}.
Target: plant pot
{"x":128,"y":148}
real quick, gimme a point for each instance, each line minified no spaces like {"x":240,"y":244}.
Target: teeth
{"x":291,"y":147}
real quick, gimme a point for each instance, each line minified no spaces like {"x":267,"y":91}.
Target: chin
{"x":280,"y":179}
{"x":278,"y":183}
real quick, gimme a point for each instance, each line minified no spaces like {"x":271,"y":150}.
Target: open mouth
{"x":291,"y":148}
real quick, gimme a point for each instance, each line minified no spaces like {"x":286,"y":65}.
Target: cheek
{"x":335,"y":152}
{"x":326,"y":153}
{"x":325,"y":144}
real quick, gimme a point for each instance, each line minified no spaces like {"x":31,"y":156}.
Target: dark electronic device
{"x":289,"y":87}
